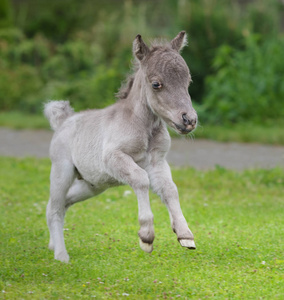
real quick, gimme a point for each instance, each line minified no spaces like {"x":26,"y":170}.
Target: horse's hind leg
{"x":61,"y":177}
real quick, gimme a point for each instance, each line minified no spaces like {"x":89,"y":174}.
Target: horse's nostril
{"x":185,"y":119}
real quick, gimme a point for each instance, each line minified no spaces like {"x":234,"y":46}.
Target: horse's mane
{"x":128,"y":83}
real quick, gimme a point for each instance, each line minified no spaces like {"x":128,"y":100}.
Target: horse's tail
{"x":57,"y":112}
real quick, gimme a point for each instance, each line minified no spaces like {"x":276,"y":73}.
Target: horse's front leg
{"x":122,"y":167}
{"x":163,"y":185}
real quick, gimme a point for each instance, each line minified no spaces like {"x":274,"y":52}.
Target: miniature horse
{"x":125,"y":143}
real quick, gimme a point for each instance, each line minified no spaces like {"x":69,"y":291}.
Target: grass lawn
{"x":271,"y":133}
{"x":237,"y":220}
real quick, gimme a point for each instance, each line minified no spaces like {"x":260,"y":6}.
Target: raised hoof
{"x":146,"y":247}
{"x":188,"y":244}
{"x":63,"y":257}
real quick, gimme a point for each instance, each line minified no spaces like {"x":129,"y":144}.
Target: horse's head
{"x":166,"y":80}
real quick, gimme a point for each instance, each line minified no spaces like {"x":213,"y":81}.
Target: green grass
{"x":250,"y":133}
{"x":237,"y":220}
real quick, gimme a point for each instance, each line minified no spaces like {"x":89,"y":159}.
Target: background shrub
{"x":248,"y":84}
{"x":19,"y":89}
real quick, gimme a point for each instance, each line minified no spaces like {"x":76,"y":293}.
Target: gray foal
{"x":125,"y":143}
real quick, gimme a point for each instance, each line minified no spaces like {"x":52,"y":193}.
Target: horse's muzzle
{"x":184,"y":129}
{"x":187,"y":125}
{"x":189,"y":120}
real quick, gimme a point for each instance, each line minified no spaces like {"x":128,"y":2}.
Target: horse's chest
{"x":147,"y":156}
{"x":140,"y":155}
{"x":147,"y":153}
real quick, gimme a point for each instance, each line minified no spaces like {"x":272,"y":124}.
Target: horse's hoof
{"x":188,"y":244}
{"x":62,"y":256}
{"x":146,"y":247}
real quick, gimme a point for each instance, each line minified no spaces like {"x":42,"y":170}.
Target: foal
{"x":125,"y":143}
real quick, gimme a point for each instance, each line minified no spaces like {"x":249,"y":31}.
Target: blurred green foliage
{"x":212,"y":23}
{"x":248,"y":85}
{"x":5,"y":14}
{"x":81,"y":51}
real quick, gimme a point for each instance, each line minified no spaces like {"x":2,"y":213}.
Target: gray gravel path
{"x":200,"y":154}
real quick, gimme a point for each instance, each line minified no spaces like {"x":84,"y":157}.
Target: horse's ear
{"x":140,"y":49}
{"x":179,"y":41}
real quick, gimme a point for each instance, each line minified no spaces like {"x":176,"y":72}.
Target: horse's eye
{"x":156,"y":85}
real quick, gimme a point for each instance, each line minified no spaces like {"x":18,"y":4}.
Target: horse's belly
{"x":104,"y":181}
{"x":99,"y":180}
{"x":91,"y":169}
